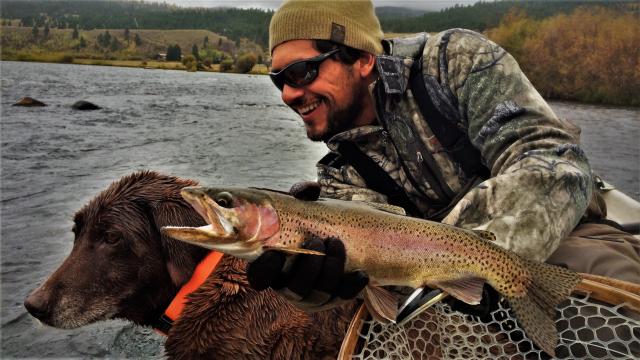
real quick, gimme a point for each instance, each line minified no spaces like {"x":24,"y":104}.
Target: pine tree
{"x":174,"y":53}
{"x":46,"y":30}
{"x":195,"y":52}
{"x":34,"y":31}
{"x":83,"y":43}
{"x":137,"y":40}
{"x":115,"y":44}
{"x":205,"y":42}
{"x":75,"y":33}
{"x":126,"y":35}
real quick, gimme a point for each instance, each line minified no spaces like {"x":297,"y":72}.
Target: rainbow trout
{"x":392,"y":249}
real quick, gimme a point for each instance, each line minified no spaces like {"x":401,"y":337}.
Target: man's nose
{"x":291,"y":94}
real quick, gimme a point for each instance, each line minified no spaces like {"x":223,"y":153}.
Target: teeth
{"x":309,"y":108}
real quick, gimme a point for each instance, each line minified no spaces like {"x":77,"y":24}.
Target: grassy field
{"x":19,"y":44}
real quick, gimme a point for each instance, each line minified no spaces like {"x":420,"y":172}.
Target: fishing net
{"x":588,"y":329}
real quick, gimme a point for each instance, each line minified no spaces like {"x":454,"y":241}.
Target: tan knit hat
{"x":352,"y":23}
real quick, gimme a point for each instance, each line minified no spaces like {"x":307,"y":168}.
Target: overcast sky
{"x":416,"y":4}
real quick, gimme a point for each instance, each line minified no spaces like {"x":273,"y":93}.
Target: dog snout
{"x":37,"y":304}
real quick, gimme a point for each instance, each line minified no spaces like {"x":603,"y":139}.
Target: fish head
{"x":239,"y":220}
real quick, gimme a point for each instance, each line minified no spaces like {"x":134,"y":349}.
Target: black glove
{"x":312,"y":282}
{"x":305,"y":190}
{"x":488,"y":304}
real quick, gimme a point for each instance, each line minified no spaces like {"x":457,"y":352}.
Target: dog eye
{"x":224,"y":199}
{"x":111,"y":239}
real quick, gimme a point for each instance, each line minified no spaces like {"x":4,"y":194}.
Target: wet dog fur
{"x":121,"y":266}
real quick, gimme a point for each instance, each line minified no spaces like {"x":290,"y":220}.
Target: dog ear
{"x":181,"y":258}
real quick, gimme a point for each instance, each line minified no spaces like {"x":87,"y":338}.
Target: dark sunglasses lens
{"x":301,"y":74}
{"x":278,"y":80}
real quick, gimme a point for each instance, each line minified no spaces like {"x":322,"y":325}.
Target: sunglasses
{"x":301,"y":72}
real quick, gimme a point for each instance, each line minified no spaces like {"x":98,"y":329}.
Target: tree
{"x":226,"y":65}
{"x":46,"y":30}
{"x":75,"y":33}
{"x":245,"y":63}
{"x":190,"y":63}
{"x":195,"y":52}
{"x":137,"y":40}
{"x":174,"y":53}
{"x":83,"y":42}
{"x":115,"y":44}
{"x":126,"y":35}
{"x":34,"y":31}
{"x":205,"y":42}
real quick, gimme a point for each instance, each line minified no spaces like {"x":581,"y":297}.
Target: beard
{"x":341,"y":119}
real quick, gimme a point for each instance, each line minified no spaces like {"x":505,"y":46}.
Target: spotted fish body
{"x":392,"y":249}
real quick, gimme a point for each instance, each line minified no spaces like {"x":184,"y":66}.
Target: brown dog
{"x":122,"y":267}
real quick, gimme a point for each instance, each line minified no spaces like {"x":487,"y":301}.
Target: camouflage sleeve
{"x":540,"y":179}
{"x":345,"y":183}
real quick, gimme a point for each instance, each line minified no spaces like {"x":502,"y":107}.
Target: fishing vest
{"x":416,"y":108}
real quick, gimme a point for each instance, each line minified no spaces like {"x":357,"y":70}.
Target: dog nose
{"x":36,"y":305}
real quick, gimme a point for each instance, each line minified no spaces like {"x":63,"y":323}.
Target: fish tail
{"x":535,"y":310}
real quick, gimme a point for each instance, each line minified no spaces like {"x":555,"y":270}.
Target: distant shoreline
{"x":258,"y":69}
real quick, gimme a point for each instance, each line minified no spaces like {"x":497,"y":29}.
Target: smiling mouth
{"x":307,"y":109}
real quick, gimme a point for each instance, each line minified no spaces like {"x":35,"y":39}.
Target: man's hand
{"x":305,"y":190}
{"x":312,"y":282}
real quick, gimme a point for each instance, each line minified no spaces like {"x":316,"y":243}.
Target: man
{"x":450,"y":129}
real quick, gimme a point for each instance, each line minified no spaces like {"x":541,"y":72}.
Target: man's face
{"x":332,"y":103}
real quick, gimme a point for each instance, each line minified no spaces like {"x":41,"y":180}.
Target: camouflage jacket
{"x":540,"y":182}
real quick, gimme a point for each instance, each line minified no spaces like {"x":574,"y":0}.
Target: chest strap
{"x":175,"y":308}
{"x":375,"y":177}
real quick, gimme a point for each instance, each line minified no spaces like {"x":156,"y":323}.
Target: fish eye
{"x":224,"y":199}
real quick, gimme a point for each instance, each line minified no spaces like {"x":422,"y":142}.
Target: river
{"x":217,"y":128}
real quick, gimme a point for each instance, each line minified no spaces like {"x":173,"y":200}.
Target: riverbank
{"x":64,"y":58}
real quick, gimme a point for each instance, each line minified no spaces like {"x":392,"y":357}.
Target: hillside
{"x":252,"y":24}
{"x":484,"y":15}
{"x":233,"y":23}
{"x":20,"y":40}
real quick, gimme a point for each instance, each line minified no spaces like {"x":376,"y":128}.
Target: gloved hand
{"x":312,"y":282}
{"x":488,"y":304}
{"x":305,"y":190}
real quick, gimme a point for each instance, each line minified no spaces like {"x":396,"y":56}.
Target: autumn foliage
{"x":590,"y":55}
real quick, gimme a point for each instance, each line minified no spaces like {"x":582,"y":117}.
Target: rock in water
{"x":28,"y":101}
{"x":85,"y":105}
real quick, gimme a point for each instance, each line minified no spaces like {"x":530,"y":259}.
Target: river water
{"x":216,"y":128}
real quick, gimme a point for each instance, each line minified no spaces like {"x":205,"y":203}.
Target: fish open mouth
{"x":219,"y":229}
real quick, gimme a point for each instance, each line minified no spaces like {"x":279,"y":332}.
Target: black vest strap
{"x":452,"y":139}
{"x":376,"y":178}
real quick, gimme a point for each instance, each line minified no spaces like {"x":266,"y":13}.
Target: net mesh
{"x":588,"y":329}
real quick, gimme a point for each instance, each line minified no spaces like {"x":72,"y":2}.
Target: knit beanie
{"x":352,"y":23}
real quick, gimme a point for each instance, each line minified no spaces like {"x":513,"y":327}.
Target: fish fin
{"x":294,"y":250}
{"x":386,"y":208}
{"x":382,"y":304}
{"x":467,"y":289}
{"x":484,"y":234}
{"x":535,"y":309}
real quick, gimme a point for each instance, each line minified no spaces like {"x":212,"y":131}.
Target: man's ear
{"x":366,"y":65}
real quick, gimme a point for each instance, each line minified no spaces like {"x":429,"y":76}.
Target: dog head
{"x":120,"y":265}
